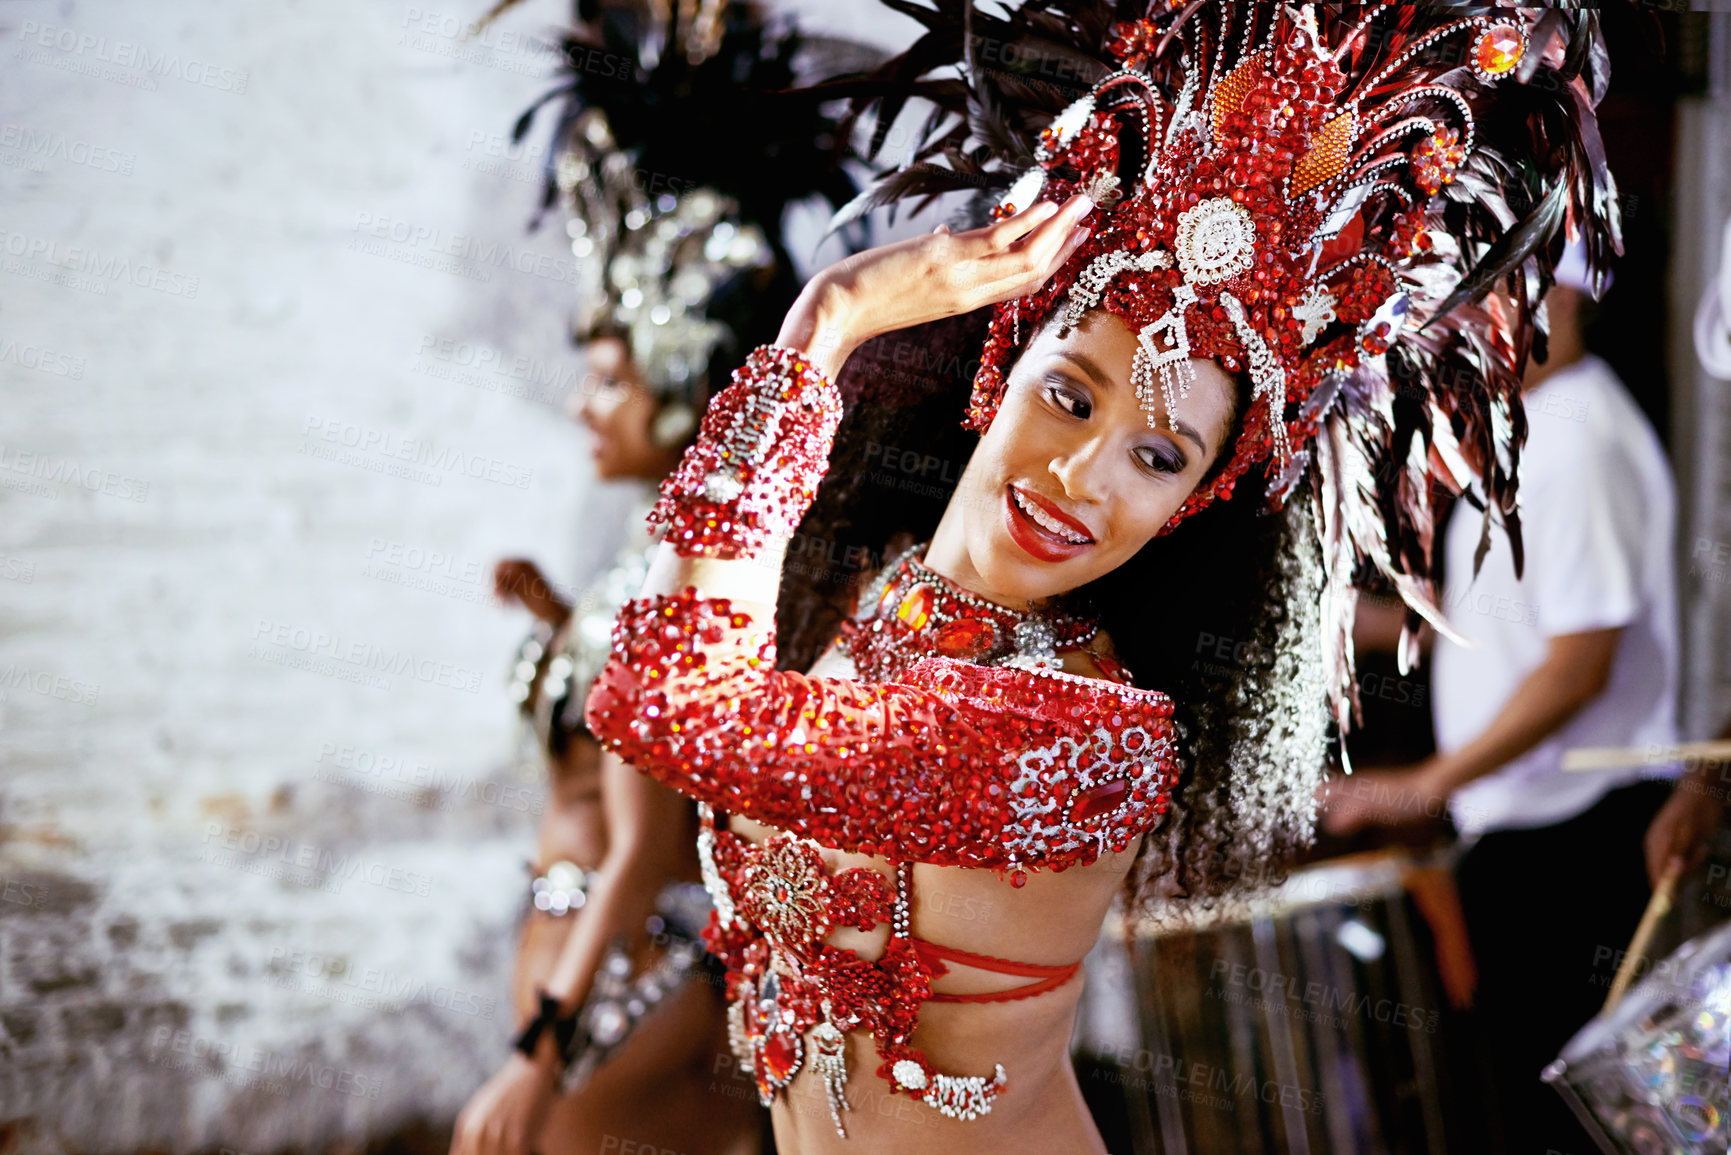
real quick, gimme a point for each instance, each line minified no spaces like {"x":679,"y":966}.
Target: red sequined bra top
{"x":952,"y":764}
{"x":775,"y":903}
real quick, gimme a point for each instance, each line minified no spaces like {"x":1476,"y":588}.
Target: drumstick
{"x":1616,"y":757}
{"x":1657,"y":908}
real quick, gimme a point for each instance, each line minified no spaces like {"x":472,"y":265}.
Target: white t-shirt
{"x":1598,"y":520}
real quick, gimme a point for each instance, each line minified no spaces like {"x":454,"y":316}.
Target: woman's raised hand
{"x":927,"y":278}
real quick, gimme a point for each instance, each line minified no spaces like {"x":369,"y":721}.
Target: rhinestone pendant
{"x":776,"y":1049}
{"x":739,"y":1039}
{"x":1036,"y":646}
{"x":916,"y":608}
{"x":910,"y":1075}
{"x":966,"y":639}
{"x":829,"y":1063}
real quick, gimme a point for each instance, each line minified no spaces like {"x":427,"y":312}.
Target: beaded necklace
{"x":911,"y":611}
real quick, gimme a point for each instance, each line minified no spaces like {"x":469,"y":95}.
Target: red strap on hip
{"x":1050,"y":977}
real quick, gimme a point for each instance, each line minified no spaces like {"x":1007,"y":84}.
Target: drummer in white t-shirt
{"x":1587,"y":634}
{"x":1581,"y":650}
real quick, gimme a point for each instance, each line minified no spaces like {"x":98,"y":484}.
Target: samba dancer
{"x":1203,"y":281}
{"x":689,"y":271}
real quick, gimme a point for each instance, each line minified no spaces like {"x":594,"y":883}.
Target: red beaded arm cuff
{"x":958,"y":765}
{"x":755,"y":466}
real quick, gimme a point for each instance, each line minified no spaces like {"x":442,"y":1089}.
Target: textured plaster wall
{"x":281,"y":375}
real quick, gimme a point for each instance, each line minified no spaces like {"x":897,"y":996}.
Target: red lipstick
{"x":1038,"y":542}
{"x":1052,"y":511}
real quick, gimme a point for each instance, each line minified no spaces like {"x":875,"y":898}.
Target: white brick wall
{"x":191,"y":194}
{"x":264,"y":283}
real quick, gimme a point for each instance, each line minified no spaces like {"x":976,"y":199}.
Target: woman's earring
{"x":982,"y":409}
{"x":674,"y":423}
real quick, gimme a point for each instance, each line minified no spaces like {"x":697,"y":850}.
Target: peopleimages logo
{"x":87,"y":48}
{"x":1313,"y":1001}
{"x":40,"y":359}
{"x":102,"y":268}
{"x":242,"y":848}
{"x":330,"y":436}
{"x":16,"y":569}
{"x":428,"y":246}
{"x":463,"y":37}
{"x":375,"y":988}
{"x":1213,"y":1086}
{"x":481,"y":366}
{"x":42,"y":468}
{"x":253,"y":1066}
{"x":363,"y":656}
{"x":28,"y":894}
{"x":36,"y":146}
{"x":79,"y":693}
{"x":372,"y":771}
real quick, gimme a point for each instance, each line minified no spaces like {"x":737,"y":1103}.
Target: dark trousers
{"x":1549,"y":912}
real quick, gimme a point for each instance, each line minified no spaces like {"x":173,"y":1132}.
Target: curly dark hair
{"x":1222,"y":614}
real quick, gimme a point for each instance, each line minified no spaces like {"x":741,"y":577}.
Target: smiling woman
{"x":802,"y":891}
{"x":1235,"y":574}
{"x":998,"y":750}
{"x":1076,"y":479}
{"x":1194,"y":321}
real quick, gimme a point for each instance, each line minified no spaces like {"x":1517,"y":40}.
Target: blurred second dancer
{"x":662,"y":132}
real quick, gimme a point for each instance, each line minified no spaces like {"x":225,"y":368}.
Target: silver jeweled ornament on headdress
{"x":677,"y":148}
{"x":652,"y":259}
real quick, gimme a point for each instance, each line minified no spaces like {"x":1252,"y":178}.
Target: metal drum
{"x":1649,"y":1078}
{"x":1318,"y":1025}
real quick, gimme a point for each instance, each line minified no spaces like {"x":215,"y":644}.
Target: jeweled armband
{"x":755,"y":466}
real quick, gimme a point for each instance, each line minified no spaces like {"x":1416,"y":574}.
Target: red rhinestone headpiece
{"x":1320,"y":196}
{"x":1259,"y":231}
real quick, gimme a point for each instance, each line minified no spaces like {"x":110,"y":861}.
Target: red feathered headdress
{"x":1315,"y":195}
